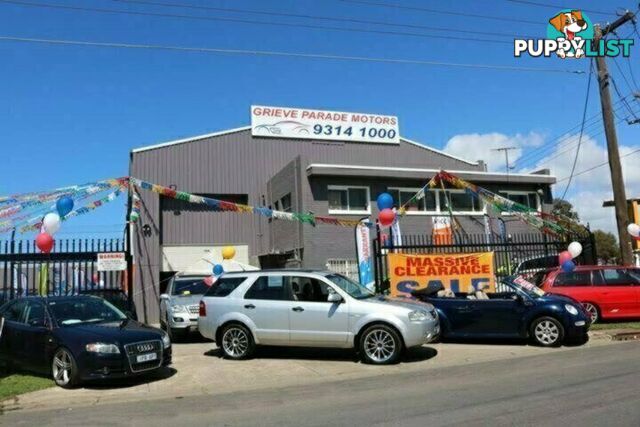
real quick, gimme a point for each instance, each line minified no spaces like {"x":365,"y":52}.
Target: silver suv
{"x":311,"y":309}
{"x":179,"y":305}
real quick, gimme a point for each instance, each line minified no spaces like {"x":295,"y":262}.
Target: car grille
{"x":144,"y":347}
{"x":194,"y":309}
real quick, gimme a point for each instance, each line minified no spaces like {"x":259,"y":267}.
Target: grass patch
{"x":615,"y":325}
{"x":15,"y":384}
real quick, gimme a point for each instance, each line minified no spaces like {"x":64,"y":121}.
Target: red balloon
{"x":564,"y":256}
{"x":208,"y":280}
{"x":636,"y":238}
{"x":44,"y":242}
{"x":386,"y":217}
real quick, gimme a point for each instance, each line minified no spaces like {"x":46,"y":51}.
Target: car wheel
{"x":380,"y":345}
{"x":64,"y":369}
{"x":592,"y":309}
{"x":236,"y":342}
{"x":547,"y":332}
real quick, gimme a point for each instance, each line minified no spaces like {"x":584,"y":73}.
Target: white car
{"x":311,"y":309}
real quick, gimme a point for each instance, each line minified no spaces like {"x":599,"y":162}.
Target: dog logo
{"x":573,"y":27}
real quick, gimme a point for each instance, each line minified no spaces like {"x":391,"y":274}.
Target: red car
{"x":607,"y":291}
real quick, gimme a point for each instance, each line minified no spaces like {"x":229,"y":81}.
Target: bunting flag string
{"x":224,"y":206}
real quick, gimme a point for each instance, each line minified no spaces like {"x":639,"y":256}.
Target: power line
{"x":319,"y":17}
{"x":584,"y":116}
{"x":283,"y":54}
{"x":555,"y":6}
{"x":248,"y":21}
{"x":443,"y":12}
{"x":624,"y":101}
{"x":597,"y":166}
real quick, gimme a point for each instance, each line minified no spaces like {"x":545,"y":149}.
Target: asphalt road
{"x":583,"y":386}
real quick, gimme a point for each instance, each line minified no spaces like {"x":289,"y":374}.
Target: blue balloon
{"x":218,"y":270}
{"x":64,"y":205}
{"x":568,"y":266}
{"x":385,"y":201}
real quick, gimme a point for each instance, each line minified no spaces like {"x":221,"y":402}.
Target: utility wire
{"x":502,"y":19}
{"x":320,"y":17}
{"x":584,"y":116}
{"x":615,"y":87}
{"x":283,"y":54}
{"x":248,"y":21}
{"x":598,"y":166}
{"x":559,"y":7}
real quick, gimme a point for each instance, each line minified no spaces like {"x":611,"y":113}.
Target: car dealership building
{"x":327,"y":163}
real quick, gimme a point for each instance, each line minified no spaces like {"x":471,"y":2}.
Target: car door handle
{"x":297,"y":309}
{"x":250,"y":306}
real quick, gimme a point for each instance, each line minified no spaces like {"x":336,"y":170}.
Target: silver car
{"x":179,"y":305}
{"x":311,"y":309}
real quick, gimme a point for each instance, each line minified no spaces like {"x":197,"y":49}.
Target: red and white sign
{"x":299,"y":123}
{"x":112,"y":261}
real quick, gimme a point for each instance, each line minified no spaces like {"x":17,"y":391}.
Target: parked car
{"x":116,"y":297}
{"x":523,"y":311}
{"x":179,"y":305}
{"x":532,"y":265}
{"x":607,"y":292}
{"x":311,"y":309}
{"x":78,"y":338}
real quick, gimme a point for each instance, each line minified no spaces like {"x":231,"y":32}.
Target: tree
{"x":606,"y":246}
{"x":562,"y":207}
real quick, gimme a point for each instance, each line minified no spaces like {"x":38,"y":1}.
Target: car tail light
{"x":203,"y":309}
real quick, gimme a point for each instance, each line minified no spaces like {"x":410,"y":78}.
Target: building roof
{"x":318,"y":169}
{"x":610,"y":203}
{"x":245,"y":128}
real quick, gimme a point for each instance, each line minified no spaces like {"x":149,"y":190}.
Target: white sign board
{"x":113,"y":261}
{"x":300,"y":123}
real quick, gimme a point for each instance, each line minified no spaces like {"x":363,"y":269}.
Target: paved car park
{"x":199,"y":371}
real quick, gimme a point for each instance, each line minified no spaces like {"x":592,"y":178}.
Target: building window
{"x":348,"y":200}
{"x":435,"y":201}
{"x":531,"y":199}
{"x":285,"y":202}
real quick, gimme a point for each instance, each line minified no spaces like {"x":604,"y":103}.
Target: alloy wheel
{"x":62,"y":368}
{"x":379,"y":345}
{"x":547,"y":332}
{"x":235,"y":342}
{"x":592,"y":310}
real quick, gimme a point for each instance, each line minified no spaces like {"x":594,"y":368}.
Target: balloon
{"x":51,"y":223}
{"x":208,"y":280}
{"x":218,"y":270}
{"x":563,"y":257}
{"x":64,"y":205}
{"x":386,"y":217}
{"x":636,"y":238}
{"x":385,"y":201}
{"x":568,"y":266}
{"x":633,"y":229}
{"x":44,"y":242}
{"x":228,"y":252}
{"x":575,"y":249}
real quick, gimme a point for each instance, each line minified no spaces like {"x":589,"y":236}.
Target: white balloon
{"x":633,"y":229}
{"x":575,"y":249}
{"x":51,"y":223}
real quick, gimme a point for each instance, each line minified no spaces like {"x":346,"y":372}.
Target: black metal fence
{"x":69,"y":269}
{"x":517,"y":254}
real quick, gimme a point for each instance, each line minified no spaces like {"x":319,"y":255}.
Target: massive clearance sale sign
{"x":458,"y":272}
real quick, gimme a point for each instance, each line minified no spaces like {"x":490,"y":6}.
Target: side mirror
{"x":164,"y":297}
{"x":334,"y":297}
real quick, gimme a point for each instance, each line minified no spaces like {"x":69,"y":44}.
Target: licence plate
{"x":146,"y":357}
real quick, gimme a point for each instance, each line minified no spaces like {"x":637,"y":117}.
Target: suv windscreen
{"x":189,"y":286}
{"x":79,"y":310}
{"x":355,"y":290}
{"x":224,"y":286}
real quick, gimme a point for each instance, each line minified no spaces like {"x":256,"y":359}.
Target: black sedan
{"x":521,"y":311}
{"x":78,"y":338}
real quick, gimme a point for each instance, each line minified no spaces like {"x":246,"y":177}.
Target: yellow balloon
{"x":228,"y":252}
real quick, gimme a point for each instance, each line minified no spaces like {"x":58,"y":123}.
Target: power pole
{"x":506,"y":157}
{"x":619,"y":196}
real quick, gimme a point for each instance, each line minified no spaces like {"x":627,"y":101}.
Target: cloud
{"x":476,"y":146}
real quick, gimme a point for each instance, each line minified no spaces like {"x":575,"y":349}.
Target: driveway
{"x":198,"y":370}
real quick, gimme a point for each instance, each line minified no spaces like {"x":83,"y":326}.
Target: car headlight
{"x":418,"y":315}
{"x":166,"y":342}
{"x":571,"y":309}
{"x":179,"y":309}
{"x":104,"y":348}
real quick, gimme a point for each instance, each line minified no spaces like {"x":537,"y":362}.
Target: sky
{"x":71,"y":114}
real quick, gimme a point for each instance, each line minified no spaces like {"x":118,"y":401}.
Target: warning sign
{"x":112,"y":261}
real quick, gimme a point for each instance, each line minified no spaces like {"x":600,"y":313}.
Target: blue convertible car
{"x":521,"y":311}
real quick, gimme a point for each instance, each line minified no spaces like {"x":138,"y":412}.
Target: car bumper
{"x":184,"y":321}
{"x":576,"y":328}
{"x":423,"y":332}
{"x":113,"y":366}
